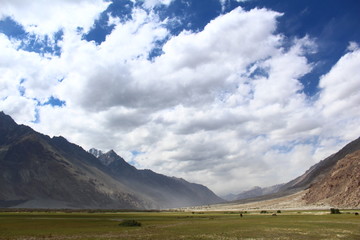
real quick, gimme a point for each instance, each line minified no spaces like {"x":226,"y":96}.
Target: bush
{"x":335,"y":211}
{"x":130,"y":223}
{"x":278,"y":211}
{"x":263,"y":212}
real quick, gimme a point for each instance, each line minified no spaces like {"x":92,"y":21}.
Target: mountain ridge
{"x":341,"y":186}
{"x":319,"y":180}
{"x":39,"y":171}
{"x":161,"y":188}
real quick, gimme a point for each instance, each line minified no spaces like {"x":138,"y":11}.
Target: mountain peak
{"x":6,"y":122}
{"x":97,"y":153}
{"x":112,"y":157}
{"x":108,"y":157}
{"x":112,"y":153}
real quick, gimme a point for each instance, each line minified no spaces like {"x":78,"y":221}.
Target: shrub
{"x":263,"y":211}
{"x":130,"y":223}
{"x":278,"y":211}
{"x":335,"y":211}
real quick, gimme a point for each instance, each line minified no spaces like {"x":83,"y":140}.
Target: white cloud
{"x":22,"y":109}
{"x":353,"y":46}
{"x":47,"y":17}
{"x":36,"y":75}
{"x":339,"y":99}
{"x":104,"y":76}
{"x":225,"y":3}
{"x":152,"y":3}
{"x":223,"y":105}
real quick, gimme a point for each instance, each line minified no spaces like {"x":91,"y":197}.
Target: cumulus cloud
{"x":221,"y":105}
{"x":103,"y":76}
{"x":48,"y":17}
{"x":35,"y":74}
{"x":21,"y":108}
{"x":339,"y":99}
{"x":152,"y":3}
{"x":224,"y":3}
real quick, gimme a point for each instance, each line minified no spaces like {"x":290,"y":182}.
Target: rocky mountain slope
{"x":39,"y":171}
{"x":333,"y":180}
{"x":322,"y":169}
{"x":341,"y":186}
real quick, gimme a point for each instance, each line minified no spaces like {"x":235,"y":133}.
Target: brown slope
{"x":315,"y":174}
{"x":341,"y":186}
{"x":320,"y":170}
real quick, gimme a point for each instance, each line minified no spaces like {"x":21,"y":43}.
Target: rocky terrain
{"x":333,"y":182}
{"x":41,"y":172}
{"x":341,"y":186}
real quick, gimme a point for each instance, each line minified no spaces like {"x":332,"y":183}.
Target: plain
{"x":180,"y":225}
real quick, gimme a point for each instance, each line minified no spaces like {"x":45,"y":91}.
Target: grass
{"x":178,"y":225}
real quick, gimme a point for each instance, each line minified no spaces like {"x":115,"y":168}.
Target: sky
{"x":231,"y":94}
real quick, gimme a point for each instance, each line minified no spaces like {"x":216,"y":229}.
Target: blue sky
{"x":247,"y":92}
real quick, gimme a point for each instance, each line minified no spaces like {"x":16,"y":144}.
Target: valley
{"x":42,"y":172}
{"x":179,"y":225}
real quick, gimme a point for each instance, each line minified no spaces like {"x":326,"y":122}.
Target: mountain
{"x":341,"y":186}
{"x":164,"y":190}
{"x":322,"y":169}
{"x":254,"y":192}
{"x":95,"y":152}
{"x":334,"y":180}
{"x":39,"y":171}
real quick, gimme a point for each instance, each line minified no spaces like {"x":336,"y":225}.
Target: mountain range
{"x":253,"y":192}
{"x":37,"y":171}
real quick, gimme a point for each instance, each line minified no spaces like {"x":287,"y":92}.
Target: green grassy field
{"x":177,"y":225}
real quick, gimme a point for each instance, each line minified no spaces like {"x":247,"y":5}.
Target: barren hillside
{"x":341,"y":187}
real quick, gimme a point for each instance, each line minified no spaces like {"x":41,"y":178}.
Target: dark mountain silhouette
{"x":42,"y":172}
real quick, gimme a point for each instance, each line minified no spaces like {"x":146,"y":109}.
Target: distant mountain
{"x":254,"y":192}
{"x":166,"y":191}
{"x":95,"y":152}
{"x":37,"y":171}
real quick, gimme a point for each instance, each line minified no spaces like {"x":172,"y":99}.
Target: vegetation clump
{"x":130,"y":223}
{"x":335,"y":211}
